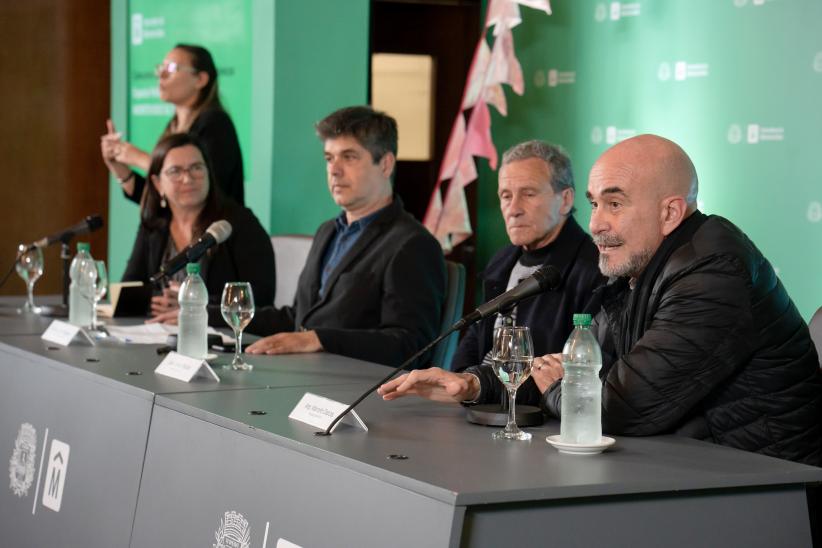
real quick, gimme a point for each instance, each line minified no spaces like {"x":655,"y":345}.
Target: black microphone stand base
{"x":495,"y":415}
{"x":53,"y":311}
{"x":61,"y":310}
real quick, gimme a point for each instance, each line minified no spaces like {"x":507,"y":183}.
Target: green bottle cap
{"x":582,"y":319}
{"x":193,"y":268}
{"x":83,"y":246}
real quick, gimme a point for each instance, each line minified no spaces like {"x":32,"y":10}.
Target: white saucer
{"x":211,"y":356}
{"x":580,"y":448}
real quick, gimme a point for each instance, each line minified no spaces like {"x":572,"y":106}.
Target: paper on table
{"x":152,"y":333}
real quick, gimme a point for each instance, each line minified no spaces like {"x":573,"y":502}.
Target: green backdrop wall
{"x":737,"y":83}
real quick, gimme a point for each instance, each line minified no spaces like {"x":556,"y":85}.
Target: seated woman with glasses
{"x":181,"y":201}
{"x":188,"y":80}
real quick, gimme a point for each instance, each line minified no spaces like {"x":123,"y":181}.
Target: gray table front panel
{"x":106,"y":431}
{"x":197,"y":472}
{"x":459,"y":464}
{"x":742,"y":518}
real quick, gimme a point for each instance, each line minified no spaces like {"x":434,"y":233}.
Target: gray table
{"x":456,"y":486}
{"x":158,"y":462}
{"x":99,"y":400}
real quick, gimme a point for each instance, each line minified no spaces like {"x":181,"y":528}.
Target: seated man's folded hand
{"x":287,"y":343}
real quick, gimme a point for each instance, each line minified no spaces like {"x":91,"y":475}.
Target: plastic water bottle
{"x":193,"y":319}
{"x":83,"y":274}
{"x":581,"y":420}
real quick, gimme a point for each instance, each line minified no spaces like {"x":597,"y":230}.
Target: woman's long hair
{"x":155,"y":217}
{"x":208,"y":97}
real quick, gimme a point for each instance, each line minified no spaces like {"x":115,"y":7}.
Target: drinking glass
{"x":237,"y":306}
{"x":100,"y":290}
{"x":512,"y":355}
{"x":29,"y":266}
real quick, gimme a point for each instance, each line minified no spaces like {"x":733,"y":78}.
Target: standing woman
{"x":188,"y":80}
{"x":179,"y":205}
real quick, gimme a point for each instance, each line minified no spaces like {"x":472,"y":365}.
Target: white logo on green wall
{"x":612,"y":134}
{"x":817,"y":62}
{"x":136,"y":29}
{"x":556,"y":77}
{"x":814,"y":212}
{"x":734,"y":134}
{"x":616,"y":11}
{"x":682,"y":70}
{"x":146,"y":28}
{"x":758,"y":133}
{"x":755,"y":134}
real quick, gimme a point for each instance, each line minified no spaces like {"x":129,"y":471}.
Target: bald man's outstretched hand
{"x":434,"y":384}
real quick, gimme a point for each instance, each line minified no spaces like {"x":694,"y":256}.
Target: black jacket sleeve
{"x":467,"y":353}
{"x":216,"y":131}
{"x":699,"y":336}
{"x":137,"y":266}
{"x":139,"y":185}
{"x":247,"y":257}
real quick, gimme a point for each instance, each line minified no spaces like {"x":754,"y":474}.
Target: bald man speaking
{"x":699,"y":336}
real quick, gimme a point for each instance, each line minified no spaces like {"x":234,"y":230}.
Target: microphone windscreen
{"x":94,"y":222}
{"x":548,"y":277}
{"x":221,"y":230}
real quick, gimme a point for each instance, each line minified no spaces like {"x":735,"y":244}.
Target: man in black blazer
{"x":373,"y":285}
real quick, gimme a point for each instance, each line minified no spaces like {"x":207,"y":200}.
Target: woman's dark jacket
{"x":246,"y":256}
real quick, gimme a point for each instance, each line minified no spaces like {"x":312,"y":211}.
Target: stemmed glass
{"x":512,"y":355}
{"x":100,"y":290}
{"x":29,"y":266}
{"x":237,"y":306}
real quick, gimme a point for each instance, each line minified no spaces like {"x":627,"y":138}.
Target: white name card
{"x":184,"y":368}
{"x":62,"y":333}
{"x":318,"y":412}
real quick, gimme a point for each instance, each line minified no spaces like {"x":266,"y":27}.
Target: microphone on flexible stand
{"x":546,"y":278}
{"x":216,"y":233}
{"x":89,"y":224}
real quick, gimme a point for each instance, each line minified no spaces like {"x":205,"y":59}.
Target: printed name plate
{"x":319,"y":412}
{"x":185,"y":369}
{"x":62,"y":333}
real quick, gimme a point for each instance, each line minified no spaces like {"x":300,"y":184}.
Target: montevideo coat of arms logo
{"x":233,"y":532}
{"x":21,"y":464}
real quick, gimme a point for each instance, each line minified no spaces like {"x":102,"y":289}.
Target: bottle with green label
{"x":581,"y":412}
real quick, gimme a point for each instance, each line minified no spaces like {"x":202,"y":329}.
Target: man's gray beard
{"x":632,"y":268}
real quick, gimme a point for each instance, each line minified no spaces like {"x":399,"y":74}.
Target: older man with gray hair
{"x":536,"y":197}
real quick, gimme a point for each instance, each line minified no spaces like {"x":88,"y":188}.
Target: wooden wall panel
{"x":54,"y":62}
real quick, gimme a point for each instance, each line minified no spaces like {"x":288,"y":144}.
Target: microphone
{"x":545,"y":278}
{"x":217,"y":233}
{"x":89,"y":224}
